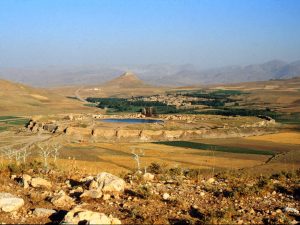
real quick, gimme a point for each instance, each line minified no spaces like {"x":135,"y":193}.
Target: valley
{"x":134,"y":130}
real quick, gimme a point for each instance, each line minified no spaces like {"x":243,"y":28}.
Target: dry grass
{"x":286,"y":138}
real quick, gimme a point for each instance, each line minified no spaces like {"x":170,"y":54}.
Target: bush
{"x":155,"y":168}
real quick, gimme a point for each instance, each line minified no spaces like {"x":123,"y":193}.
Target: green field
{"x":202,"y":146}
{"x":2,"y":128}
{"x":8,"y":117}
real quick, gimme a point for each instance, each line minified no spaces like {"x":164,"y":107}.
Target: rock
{"x":148,"y":177}
{"x":42,"y":212}
{"x":93,"y":185}
{"x":81,"y":216}
{"x":91,"y":194}
{"x":210,"y":180}
{"x":202,"y":194}
{"x":107,"y":182}
{"x":26,"y":180}
{"x":106,"y":196}
{"x":291,"y":210}
{"x":9,"y":202}
{"x":40,"y":182}
{"x":166,"y":196}
{"x":86,"y":179}
{"x":61,"y":200}
{"x":278,"y":211}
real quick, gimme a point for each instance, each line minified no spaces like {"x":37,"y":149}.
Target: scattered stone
{"x":42,"y":212}
{"x":40,"y":182}
{"x":9,"y":202}
{"x":166,"y":196}
{"x":148,"y":177}
{"x":81,"y":216}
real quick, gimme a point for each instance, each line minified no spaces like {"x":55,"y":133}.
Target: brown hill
{"x":126,"y":80}
{"x":19,"y":99}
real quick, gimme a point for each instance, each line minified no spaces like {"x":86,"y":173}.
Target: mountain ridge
{"x":154,"y":74}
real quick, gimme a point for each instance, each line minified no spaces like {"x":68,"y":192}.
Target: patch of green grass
{"x":202,"y":146}
{"x":17,"y":122}
{"x":8,"y":117}
{"x":292,"y":118}
{"x":3,"y":129}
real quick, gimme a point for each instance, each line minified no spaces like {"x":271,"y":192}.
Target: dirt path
{"x":78,"y":95}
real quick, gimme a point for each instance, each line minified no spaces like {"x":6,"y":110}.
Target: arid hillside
{"x":19,"y":99}
{"x":282,"y":95}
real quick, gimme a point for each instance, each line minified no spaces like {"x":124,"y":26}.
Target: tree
{"x":136,"y":156}
{"x":55,"y":152}
{"x":45,"y":152}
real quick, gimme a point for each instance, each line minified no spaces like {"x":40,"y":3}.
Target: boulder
{"x":81,"y":216}
{"x":61,"y":200}
{"x":42,"y":212}
{"x":107,"y":182}
{"x":40,"y":182}
{"x":9,"y":202}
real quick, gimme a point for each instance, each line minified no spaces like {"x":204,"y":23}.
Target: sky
{"x":206,"y":33}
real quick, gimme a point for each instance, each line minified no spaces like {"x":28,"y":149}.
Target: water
{"x":131,"y":121}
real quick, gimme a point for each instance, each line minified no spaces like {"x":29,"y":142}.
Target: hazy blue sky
{"x":207,"y":33}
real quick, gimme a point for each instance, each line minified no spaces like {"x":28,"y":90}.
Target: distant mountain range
{"x":158,"y":74}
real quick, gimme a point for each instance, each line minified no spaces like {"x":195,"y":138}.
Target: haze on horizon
{"x":205,"y":33}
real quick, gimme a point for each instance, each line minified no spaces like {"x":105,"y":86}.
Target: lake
{"x":129,"y":120}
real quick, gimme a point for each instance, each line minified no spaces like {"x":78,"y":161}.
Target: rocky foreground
{"x":161,"y":196}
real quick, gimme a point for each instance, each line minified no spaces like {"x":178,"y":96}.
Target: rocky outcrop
{"x":148,"y":135}
{"x":124,"y":134}
{"x":173,"y":134}
{"x":78,"y":131}
{"x":104,"y":133}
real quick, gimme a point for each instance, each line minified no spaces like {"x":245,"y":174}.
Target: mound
{"x":19,"y":99}
{"x":126,"y":80}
